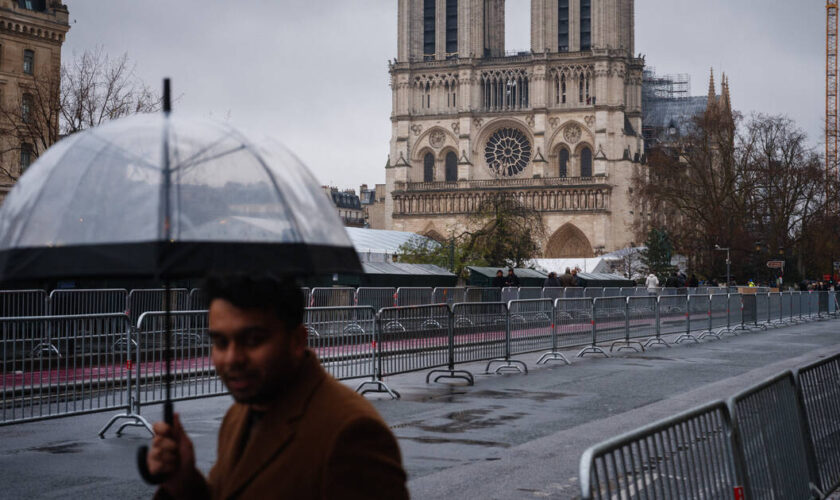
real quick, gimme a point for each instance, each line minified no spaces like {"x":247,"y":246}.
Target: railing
{"x":60,"y":365}
{"x":498,"y":183}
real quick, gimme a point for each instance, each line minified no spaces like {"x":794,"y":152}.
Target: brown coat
{"x":320,"y":441}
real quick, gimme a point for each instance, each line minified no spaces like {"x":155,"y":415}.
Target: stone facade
{"x":31,"y":35}
{"x":559,"y":126}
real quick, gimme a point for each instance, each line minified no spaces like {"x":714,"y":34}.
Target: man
{"x":575,"y":278}
{"x":673,"y":281}
{"x":552,"y":281}
{"x":512,"y":280}
{"x":568,"y":279}
{"x":294,"y":431}
{"x":499,"y":281}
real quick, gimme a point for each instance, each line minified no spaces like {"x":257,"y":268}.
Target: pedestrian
{"x":293,"y":430}
{"x":552,"y":281}
{"x":568,"y":279}
{"x":575,"y":278}
{"x":673,"y":281}
{"x":499,"y":280}
{"x":512,"y":280}
{"x":692,"y":282}
{"x":652,"y":284}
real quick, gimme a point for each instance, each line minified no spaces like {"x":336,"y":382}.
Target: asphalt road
{"x":508,"y":436}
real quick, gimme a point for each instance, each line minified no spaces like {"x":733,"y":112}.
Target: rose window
{"x":507,"y":152}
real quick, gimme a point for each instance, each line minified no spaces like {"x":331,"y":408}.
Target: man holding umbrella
{"x":293,"y":431}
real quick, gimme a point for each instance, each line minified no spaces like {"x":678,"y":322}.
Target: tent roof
{"x":522,"y":273}
{"x":393,"y":268}
{"x":601,"y":277}
{"x":380,"y":241}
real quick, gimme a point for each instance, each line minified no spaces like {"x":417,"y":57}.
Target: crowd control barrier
{"x":332,"y":297}
{"x":448,"y":295}
{"x":377,"y":298}
{"x":75,"y":302}
{"x":145,"y":300}
{"x":23,"y":303}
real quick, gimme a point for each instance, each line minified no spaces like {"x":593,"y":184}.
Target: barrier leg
{"x":376,"y":384}
{"x":507,"y":364}
{"x":450,"y":373}
{"x":134,"y":418}
{"x":593,"y":348}
{"x":658,"y":340}
{"x":553,"y":354}
{"x":687,"y":334}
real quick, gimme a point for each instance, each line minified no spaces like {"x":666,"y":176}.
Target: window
{"x":28,"y":61}
{"x":563,"y":170}
{"x":451,"y":167}
{"x":586,"y":162}
{"x":563,"y":25}
{"x":26,"y":108}
{"x":25,"y":156}
{"x":39,"y":5}
{"x":563,"y":89}
{"x":429,"y":168}
{"x":585,"y":24}
{"x":451,"y":27}
{"x":580,"y":89}
{"x":429,"y":28}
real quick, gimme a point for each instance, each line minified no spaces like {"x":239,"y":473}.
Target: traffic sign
{"x":776,"y":264}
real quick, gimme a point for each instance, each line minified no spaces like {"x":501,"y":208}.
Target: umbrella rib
{"x":270,"y":174}
{"x":191,"y":163}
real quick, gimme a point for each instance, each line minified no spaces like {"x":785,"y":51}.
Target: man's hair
{"x":567,"y":271}
{"x":281,"y":296}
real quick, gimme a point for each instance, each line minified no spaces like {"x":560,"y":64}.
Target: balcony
{"x":417,"y":187}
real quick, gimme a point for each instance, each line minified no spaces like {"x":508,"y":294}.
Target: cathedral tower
{"x":559,"y":125}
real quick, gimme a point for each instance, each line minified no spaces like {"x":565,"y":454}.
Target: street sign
{"x":837,"y":266}
{"x":776,"y":264}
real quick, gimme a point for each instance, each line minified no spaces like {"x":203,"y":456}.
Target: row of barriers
{"x":778,"y":439}
{"x":62,"y":365}
{"x":63,"y":302}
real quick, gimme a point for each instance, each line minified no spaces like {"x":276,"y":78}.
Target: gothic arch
{"x":557,"y":138}
{"x":568,"y":242}
{"x":422,"y":143}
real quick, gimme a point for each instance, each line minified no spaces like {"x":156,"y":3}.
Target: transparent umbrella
{"x":164,"y":197}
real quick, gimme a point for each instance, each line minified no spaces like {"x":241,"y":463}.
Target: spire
{"x":712,"y":93}
{"x":727,"y":102}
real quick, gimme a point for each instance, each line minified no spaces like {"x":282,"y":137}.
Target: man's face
{"x":255,"y":355}
{"x":499,"y":274}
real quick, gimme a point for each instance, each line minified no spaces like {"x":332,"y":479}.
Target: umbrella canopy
{"x":164,"y":196}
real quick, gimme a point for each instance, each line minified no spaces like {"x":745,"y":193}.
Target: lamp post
{"x":718,"y":248}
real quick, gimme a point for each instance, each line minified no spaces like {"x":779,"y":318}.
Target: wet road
{"x":508,"y":436}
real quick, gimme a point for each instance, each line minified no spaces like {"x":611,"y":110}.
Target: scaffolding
{"x":667,"y":106}
{"x":665,"y":86}
{"x":831,"y":90}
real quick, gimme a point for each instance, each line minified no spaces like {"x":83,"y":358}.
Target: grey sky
{"x":313,"y":73}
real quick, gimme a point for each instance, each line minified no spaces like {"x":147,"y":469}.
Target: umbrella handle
{"x":143,"y":467}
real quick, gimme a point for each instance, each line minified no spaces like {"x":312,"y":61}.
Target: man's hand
{"x":171,"y":456}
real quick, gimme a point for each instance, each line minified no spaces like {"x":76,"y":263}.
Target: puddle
{"x":449,"y":395}
{"x":463,"y":421}
{"x":540,"y":397}
{"x":653,"y":358}
{"x":59,"y":449}
{"x":471,"y":442}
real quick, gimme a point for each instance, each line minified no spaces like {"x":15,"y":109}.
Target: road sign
{"x":837,"y":266}
{"x":776,"y":264}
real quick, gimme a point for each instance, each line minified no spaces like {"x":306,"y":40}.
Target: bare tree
{"x":89,"y":90}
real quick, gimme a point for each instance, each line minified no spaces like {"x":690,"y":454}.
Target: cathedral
{"x":559,"y":126}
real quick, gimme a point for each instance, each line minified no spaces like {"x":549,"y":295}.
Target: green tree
{"x":656,"y":257}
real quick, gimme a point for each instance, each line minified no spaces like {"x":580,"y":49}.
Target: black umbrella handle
{"x":143,"y":467}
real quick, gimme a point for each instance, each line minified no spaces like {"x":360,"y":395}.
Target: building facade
{"x":348,"y":204}
{"x":559,"y":126}
{"x":31,"y":35}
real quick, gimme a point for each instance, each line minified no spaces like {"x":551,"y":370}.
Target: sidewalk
{"x":509,"y":436}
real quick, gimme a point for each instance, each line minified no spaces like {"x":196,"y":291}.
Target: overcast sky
{"x":314,"y":74}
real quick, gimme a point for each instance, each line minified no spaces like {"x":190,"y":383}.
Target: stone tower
{"x":559,"y":125}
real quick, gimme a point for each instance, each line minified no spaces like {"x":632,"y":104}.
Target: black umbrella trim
{"x":174,"y":260}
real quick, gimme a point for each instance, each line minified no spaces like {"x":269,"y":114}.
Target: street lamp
{"x":718,"y":248}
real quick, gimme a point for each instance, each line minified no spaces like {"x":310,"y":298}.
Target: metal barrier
{"x":612,"y":291}
{"x":770,"y":439}
{"x":735,"y":323}
{"x":573,"y":322}
{"x":786,"y":314}
{"x":719,"y":315}
{"x":573,"y":292}
{"x":448,"y":295}
{"x":23,"y":303}
{"x":344,"y":339}
{"x":144,"y":300}
{"x":696,"y":318}
{"x":627,"y":291}
{"x":673,"y":311}
{"x":593,"y":292}
{"x":377,"y":298}
{"x":774,"y":309}
{"x":480,"y":294}
{"x":762,"y":310}
{"x":332,"y":297}
{"x":529,"y":293}
{"x":509,"y":293}
{"x":412,"y":338}
{"x":82,"y":302}
{"x":819,"y":395}
{"x":531,"y":327}
{"x":197,"y":300}
{"x":608,"y":323}
{"x":641,"y":319}
{"x":84,"y":372}
{"x":552,"y":293}
{"x":479,"y":331}
{"x":413,"y":296}
{"x":686,"y":456}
